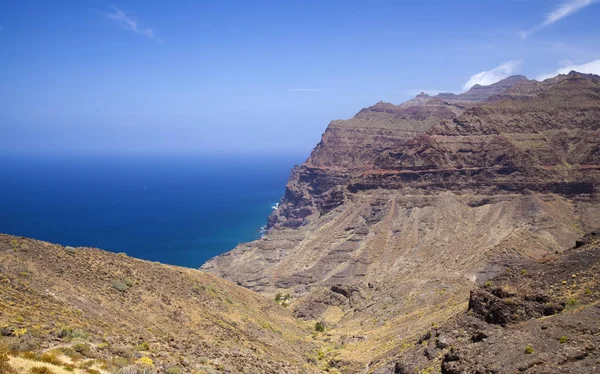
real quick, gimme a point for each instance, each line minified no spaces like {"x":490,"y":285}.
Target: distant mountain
{"x":478,"y":93}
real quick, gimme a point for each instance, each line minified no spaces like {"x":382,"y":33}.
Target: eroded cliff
{"x":399,"y":212}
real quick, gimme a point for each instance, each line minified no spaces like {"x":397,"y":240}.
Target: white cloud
{"x":564,"y":10}
{"x":488,"y":77}
{"x":301,"y":90}
{"x":132,"y":24}
{"x":592,"y":67}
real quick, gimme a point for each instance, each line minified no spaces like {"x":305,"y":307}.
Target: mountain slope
{"x":123,"y":309}
{"x":390,"y":239}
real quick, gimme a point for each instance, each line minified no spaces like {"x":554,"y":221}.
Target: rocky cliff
{"x":400,"y":211}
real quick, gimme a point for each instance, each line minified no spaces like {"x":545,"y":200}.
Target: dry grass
{"x":68,"y":301}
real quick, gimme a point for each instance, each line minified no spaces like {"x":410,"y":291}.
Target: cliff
{"x":398,"y":212}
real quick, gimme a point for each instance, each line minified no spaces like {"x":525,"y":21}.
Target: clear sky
{"x":257,"y":76}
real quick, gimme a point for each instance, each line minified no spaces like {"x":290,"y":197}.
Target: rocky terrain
{"x":534,"y":317}
{"x":402,"y":210}
{"x":448,"y":234}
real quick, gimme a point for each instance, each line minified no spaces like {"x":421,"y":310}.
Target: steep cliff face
{"x":400,"y":210}
{"x":350,"y":148}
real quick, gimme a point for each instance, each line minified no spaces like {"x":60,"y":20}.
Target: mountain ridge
{"x":420,"y":200}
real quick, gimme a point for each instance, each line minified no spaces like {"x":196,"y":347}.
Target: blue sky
{"x":257,"y":76}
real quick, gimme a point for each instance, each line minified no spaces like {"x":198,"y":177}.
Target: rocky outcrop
{"x":513,"y":323}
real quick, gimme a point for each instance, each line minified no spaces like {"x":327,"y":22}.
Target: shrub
{"x":143,"y":347}
{"x":572,"y":303}
{"x":120,"y":286}
{"x":145,"y":361}
{"x":40,"y":370}
{"x":173,"y":370}
{"x":50,"y":358}
{"x":563,"y":339}
{"x":588,"y":291}
{"x":70,"y":250}
{"x":92,"y":371}
{"x":528,"y":349}
{"x":72,"y":333}
{"x":29,"y":355}
{"x":128,"y":282}
{"x":6,"y":330}
{"x":319,"y":326}
{"x":20,"y":332}
{"x":82,"y":348}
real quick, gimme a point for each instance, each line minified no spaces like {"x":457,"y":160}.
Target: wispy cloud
{"x":564,"y":10}
{"x":130,"y":23}
{"x":488,"y":77}
{"x":592,"y":67}
{"x":302,"y":90}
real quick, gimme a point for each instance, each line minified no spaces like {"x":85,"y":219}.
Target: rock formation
{"x":407,"y":206}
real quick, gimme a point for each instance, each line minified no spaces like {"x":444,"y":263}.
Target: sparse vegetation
{"x":571,"y":303}
{"x":529,"y":349}
{"x":143,"y":346}
{"x":563,"y":339}
{"x":41,"y":370}
{"x":5,"y":367}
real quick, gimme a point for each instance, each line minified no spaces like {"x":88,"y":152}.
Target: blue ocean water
{"x":179,"y":210}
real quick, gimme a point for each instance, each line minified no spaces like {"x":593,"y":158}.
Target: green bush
{"x":320,"y":327}
{"x":563,"y":339}
{"x":528,"y":349}
{"x":143,"y":347}
{"x":128,"y":282}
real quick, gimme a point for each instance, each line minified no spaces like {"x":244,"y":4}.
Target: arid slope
{"x":123,"y":309}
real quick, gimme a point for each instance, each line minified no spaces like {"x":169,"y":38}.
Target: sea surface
{"x":179,"y":210}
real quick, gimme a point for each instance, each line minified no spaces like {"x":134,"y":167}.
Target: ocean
{"x":180,"y":210}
